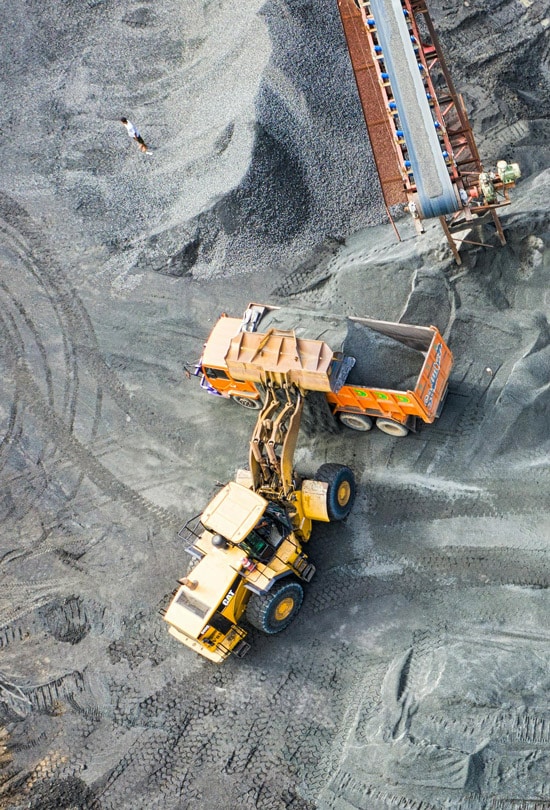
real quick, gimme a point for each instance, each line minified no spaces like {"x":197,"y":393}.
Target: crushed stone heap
{"x":381,"y":361}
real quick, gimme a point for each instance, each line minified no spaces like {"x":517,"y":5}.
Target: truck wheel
{"x":391,"y":428}
{"x":356,"y":421}
{"x":271,"y":612}
{"x":341,"y":489}
{"x":247,"y":402}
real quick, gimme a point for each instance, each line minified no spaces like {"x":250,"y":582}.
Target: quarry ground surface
{"x":417,"y":673}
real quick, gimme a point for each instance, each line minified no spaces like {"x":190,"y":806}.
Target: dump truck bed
{"x":401,"y":370}
{"x":426,"y":385}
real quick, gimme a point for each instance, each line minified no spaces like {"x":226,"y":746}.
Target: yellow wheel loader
{"x":247,"y":546}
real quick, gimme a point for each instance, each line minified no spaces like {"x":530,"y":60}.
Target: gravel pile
{"x":381,"y":361}
{"x":519,"y":422}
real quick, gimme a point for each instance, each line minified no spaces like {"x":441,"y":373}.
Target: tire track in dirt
{"x":17,"y":701}
{"x":520,"y":727}
{"x":23,"y":236}
{"x":24,"y":490}
{"x":428,"y":572}
{"x":68,"y":620}
{"x":517,"y":804}
{"x":88,"y":464}
{"x":409,"y":497}
{"x":12,"y":430}
{"x":40,"y":281}
{"x":26,"y":240}
{"x":29,"y":340}
{"x":183,"y":733}
{"x":348,"y":792}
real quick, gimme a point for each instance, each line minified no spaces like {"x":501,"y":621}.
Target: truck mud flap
{"x":442,"y":401}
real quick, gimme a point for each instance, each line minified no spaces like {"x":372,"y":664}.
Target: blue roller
{"x":436,"y":193}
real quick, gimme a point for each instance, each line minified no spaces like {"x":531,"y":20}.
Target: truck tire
{"x":341,"y":489}
{"x":391,"y":428}
{"x":271,"y":612}
{"x":356,"y":421}
{"x":248,"y":402}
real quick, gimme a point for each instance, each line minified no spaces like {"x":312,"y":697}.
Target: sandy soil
{"x":416,"y":675}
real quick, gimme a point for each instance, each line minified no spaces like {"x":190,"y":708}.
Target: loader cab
{"x":262,"y":542}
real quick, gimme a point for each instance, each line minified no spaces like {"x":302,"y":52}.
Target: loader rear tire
{"x":356,"y":421}
{"x":341,"y":489}
{"x":391,"y":428}
{"x":271,"y":612}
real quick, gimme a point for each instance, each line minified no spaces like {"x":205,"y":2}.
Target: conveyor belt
{"x":436,"y":194}
{"x":375,"y":109}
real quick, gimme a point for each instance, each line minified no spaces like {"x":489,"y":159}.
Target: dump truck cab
{"x":213,"y":371}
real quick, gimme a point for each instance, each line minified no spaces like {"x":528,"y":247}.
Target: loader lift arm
{"x":274,"y":440}
{"x":286,"y":367}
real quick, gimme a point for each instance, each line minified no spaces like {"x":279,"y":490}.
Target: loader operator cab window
{"x":267,"y":535}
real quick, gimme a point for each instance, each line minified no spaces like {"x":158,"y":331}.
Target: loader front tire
{"x":271,"y":612}
{"x":341,"y":489}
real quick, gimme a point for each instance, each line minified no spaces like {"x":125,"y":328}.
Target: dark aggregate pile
{"x":506,"y":83}
{"x":381,"y":361}
{"x":300,"y":167}
{"x":316,"y":416}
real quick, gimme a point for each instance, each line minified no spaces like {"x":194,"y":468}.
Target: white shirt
{"x":131,"y":130}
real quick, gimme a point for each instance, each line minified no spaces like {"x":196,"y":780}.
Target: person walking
{"x":133,"y":132}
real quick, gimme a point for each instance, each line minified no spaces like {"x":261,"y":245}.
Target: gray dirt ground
{"x":417,"y":673}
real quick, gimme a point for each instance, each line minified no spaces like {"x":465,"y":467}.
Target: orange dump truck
{"x":383,"y":373}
